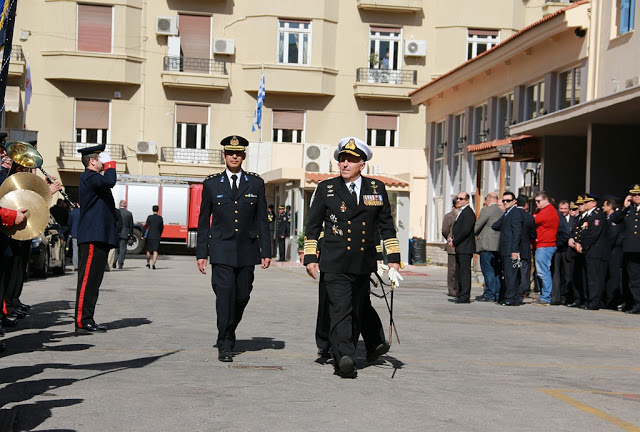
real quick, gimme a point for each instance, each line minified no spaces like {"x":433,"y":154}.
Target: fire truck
{"x":178,"y":200}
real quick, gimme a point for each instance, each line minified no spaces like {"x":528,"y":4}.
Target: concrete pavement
{"x":475,"y":367}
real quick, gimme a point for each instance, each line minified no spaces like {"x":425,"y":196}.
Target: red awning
{"x":497,"y":143}
{"x":388,"y":181}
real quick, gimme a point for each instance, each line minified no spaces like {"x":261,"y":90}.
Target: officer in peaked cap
{"x":97,"y":232}
{"x":629,"y":216}
{"x":233,"y":233}
{"x":349,"y":209}
{"x":283,"y":232}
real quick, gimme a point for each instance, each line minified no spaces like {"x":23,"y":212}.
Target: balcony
{"x":189,"y":162}
{"x":195,"y":73}
{"x":92,"y":67}
{"x":404,"y":6}
{"x":385,"y":83}
{"x":296,"y":79}
{"x":70,"y":160}
{"x":17,"y":64}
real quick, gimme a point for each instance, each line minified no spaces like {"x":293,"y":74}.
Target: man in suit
{"x":487,"y":247}
{"x":464,"y":242}
{"x":126,"y":231}
{"x":561,"y":270}
{"x":510,"y":226}
{"x":529,"y":235}
{"x":97,"y":232}
{"x":447,"y":223}
{"x":349,"y":209}
{"x":153,"y":228}
{"x":283,"y":232}
{"x":233,"y":231}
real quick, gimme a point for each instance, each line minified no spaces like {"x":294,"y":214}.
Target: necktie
{"x":352,"y":190}
{"x":234,"y":187}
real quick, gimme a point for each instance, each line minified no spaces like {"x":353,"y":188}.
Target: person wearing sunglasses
{"x":464,"y":241}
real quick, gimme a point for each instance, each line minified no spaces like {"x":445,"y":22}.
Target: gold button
{"x":362,"y":240}
{"x":364,"y":223}
{"x":218,"y":203}
{"x":364,"y":232}
{"x":348,"y":247}
{"x":349,"y":239}
{"x":236,"y":229}
{"x":236,"y":202}
{"x":349,"y":222}
{"x":236,"y":220}
{"x":349,"y":231}
{"x":236,"y":211}
{"x":361,"y":249}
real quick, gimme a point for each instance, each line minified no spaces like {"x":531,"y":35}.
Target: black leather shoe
{"x":634,"y":311}
{"x":120,"y":266}
{"x":452,"y":299}
{"x":460,"y":301}
{"x":17,"y":313}
{"x":90,"y":328}
{"x":2,"y":347}
{"x":381,"y":349}
{"x":1,"y":332}
{"x":508,"y":303}
{"x":574,"y":305}
{"x":483,"y":299}
{"x":324,"y":353}
{"x":23,"y":307}
{"x":224,"y":355}
{"x":8,"y":322}
{"x":347,"y":367}
{"x":114,"y":265}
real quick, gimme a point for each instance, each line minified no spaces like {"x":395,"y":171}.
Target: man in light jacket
{"x":487,"y":246}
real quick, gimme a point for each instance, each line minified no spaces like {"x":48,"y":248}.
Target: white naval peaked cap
{"x":353,"y":146}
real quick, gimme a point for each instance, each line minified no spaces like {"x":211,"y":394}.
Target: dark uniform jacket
{"x":464,"y":239}
{"x":126,"y":224}
{"x":594,"y":237}
{"x":97,"y":208}
{"x":349,"y":243}
{"x":630,"y":218}
{"x":238,"y":234}
{"x":283,"y":225}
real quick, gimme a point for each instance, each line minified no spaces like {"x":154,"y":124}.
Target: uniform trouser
{"x":16,"y":273}
{"x":632,"y":264}
{"x":372,"y":331}
{"x":452,"y":284}
{"x":562,"y":291}
{"x":595,"y":270}
{"x":463,"y":275}
{"x":281,"y":249}
{"x":232,"y":286}
{"x":121,"y":251}
{"x":613,"y":288}
{"x":348,"y":300}
{"x":579,"y":282}
{"x":92,"y":260}
{"x":273,"y":243}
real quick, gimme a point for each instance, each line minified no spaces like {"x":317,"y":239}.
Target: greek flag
{"x":257,"y":116}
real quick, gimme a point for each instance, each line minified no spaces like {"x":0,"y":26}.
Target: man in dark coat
{"x":447,"y":223}
{"x":464,"y":242}
{"x":349,"y":209}
{"x":233,"y":231}
{"x":271,"y":216}
{"x":126,"y":231}
{"x":153,"y":228}
{"x":283,"y":232}
{"x":97,"y":232}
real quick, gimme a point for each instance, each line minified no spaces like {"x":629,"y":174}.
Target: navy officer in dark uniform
{"x":283,"y":232}
{"x":97,"y":232}
{"x":233,"y":231}
{"x":349,"y":209}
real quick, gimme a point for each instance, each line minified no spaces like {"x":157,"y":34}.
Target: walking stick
{"x":384,"y":295}
{"x":393,"y":286}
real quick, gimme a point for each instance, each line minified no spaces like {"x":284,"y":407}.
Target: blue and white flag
{"x":257,"y":116}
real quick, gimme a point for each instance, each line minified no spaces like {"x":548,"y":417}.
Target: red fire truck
{"x":178,"y":200}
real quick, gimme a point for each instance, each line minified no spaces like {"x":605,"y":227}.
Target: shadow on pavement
{"x":126,"y":322}
{"x":257,"y":344}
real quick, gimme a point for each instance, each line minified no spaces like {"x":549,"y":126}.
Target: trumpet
{"x":24,"y":154}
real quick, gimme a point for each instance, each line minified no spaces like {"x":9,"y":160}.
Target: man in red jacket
{"x":547,"y":220}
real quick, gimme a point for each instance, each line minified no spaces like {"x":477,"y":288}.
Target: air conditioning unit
{"x":167,"y":25}
{"x":224,"y":46}
{"x":317,"y":158}
{"x":146,"y":148}
{"x":415,"y":48}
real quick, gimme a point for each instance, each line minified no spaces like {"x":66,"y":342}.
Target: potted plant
{"x":301,"y":246}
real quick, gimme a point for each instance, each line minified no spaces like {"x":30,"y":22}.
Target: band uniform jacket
{"x":594,"y":236}
{"x":233,"y":230}
{"x":98,"y":220}
{"x":349,"y":243}
{"x":447,"y":223}
{"x":630,"y":218}
{"x":464,"y":239}
{"x":488,"y":239}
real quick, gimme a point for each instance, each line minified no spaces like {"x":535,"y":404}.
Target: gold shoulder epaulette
{"x":253,"y":174}
{"x":210,"y":176}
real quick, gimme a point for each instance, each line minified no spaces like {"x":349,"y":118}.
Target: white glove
{"x":104,"y":157}
{"x":381,"y":269}
{"x":395,"y":277}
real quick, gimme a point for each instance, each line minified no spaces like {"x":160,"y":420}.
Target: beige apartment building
{"x":161,"y":83}
{"x":553,"y":107}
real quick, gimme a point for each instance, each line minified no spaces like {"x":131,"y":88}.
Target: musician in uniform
{"x":233,"y":231}
{"x":349,"y":209}
{"x":97,"y":232}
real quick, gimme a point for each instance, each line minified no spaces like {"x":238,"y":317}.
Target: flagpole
{"x":27,"y":98}
{"x":261,"y":76}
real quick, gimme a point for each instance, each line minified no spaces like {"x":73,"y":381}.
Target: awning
{"x":388,"y":181}
{"x":516,"y":148}
{"x":12,"y":99}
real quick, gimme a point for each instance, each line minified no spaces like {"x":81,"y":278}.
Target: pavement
{"x":468,"y":367}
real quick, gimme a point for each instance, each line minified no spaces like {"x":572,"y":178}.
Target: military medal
{"x":372,"y":200}
{"x":343,"y":207}
{"x":374,"y":186}
{"x":333,"y":218}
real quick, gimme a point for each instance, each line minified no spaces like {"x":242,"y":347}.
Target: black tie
{"x":234,"y":187}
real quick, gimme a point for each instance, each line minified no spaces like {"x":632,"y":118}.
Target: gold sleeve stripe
{"x":310,"y":247}
{"x":378,"y":248}
{"x":392,"y":246}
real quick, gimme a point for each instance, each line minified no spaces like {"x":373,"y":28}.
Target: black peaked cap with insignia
{"x":234,"y":143}
{"x":93,"y":149}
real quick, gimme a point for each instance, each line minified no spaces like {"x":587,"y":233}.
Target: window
{"x":294,"y":42}
{"x":457,"y":142}
{"x":192,"y":126}
{"x":534,"y":101}
{"x":504,"y":117}
{"x":94,"y":28}
{"x":92,"y":121}
{"x":288,"y":126}
{"x":384,"y":47}
{"x":569,"y":88}
{"x":195,"y":43}
{"x":480,"y":125}
{"x":438,"y":160}
{"x":382,"y":130}
{"x":479,"y":41}
{"x":625,"y":12}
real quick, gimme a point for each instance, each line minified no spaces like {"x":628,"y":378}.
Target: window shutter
{"x":290,"y":120}
{"x":382,"y":122}
{"x":195,"y":36}
{"x":376,"y":29}
{"x":482,"y":32}
{"x":193,"y":114}
{"x":94,"y":28}
{"x":92,"y":114}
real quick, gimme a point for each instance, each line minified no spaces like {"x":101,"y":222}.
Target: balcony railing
{"x":197,"y":65}
{"x":70,"y":149}
{"x":16,"y":53}
{"x":191,"y":156}
{"x":386,"y":76}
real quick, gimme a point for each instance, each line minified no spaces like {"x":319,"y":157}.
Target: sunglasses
{"x":506,"y":200}
{"x":460,"y":199}
{"x":538,"y":201}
